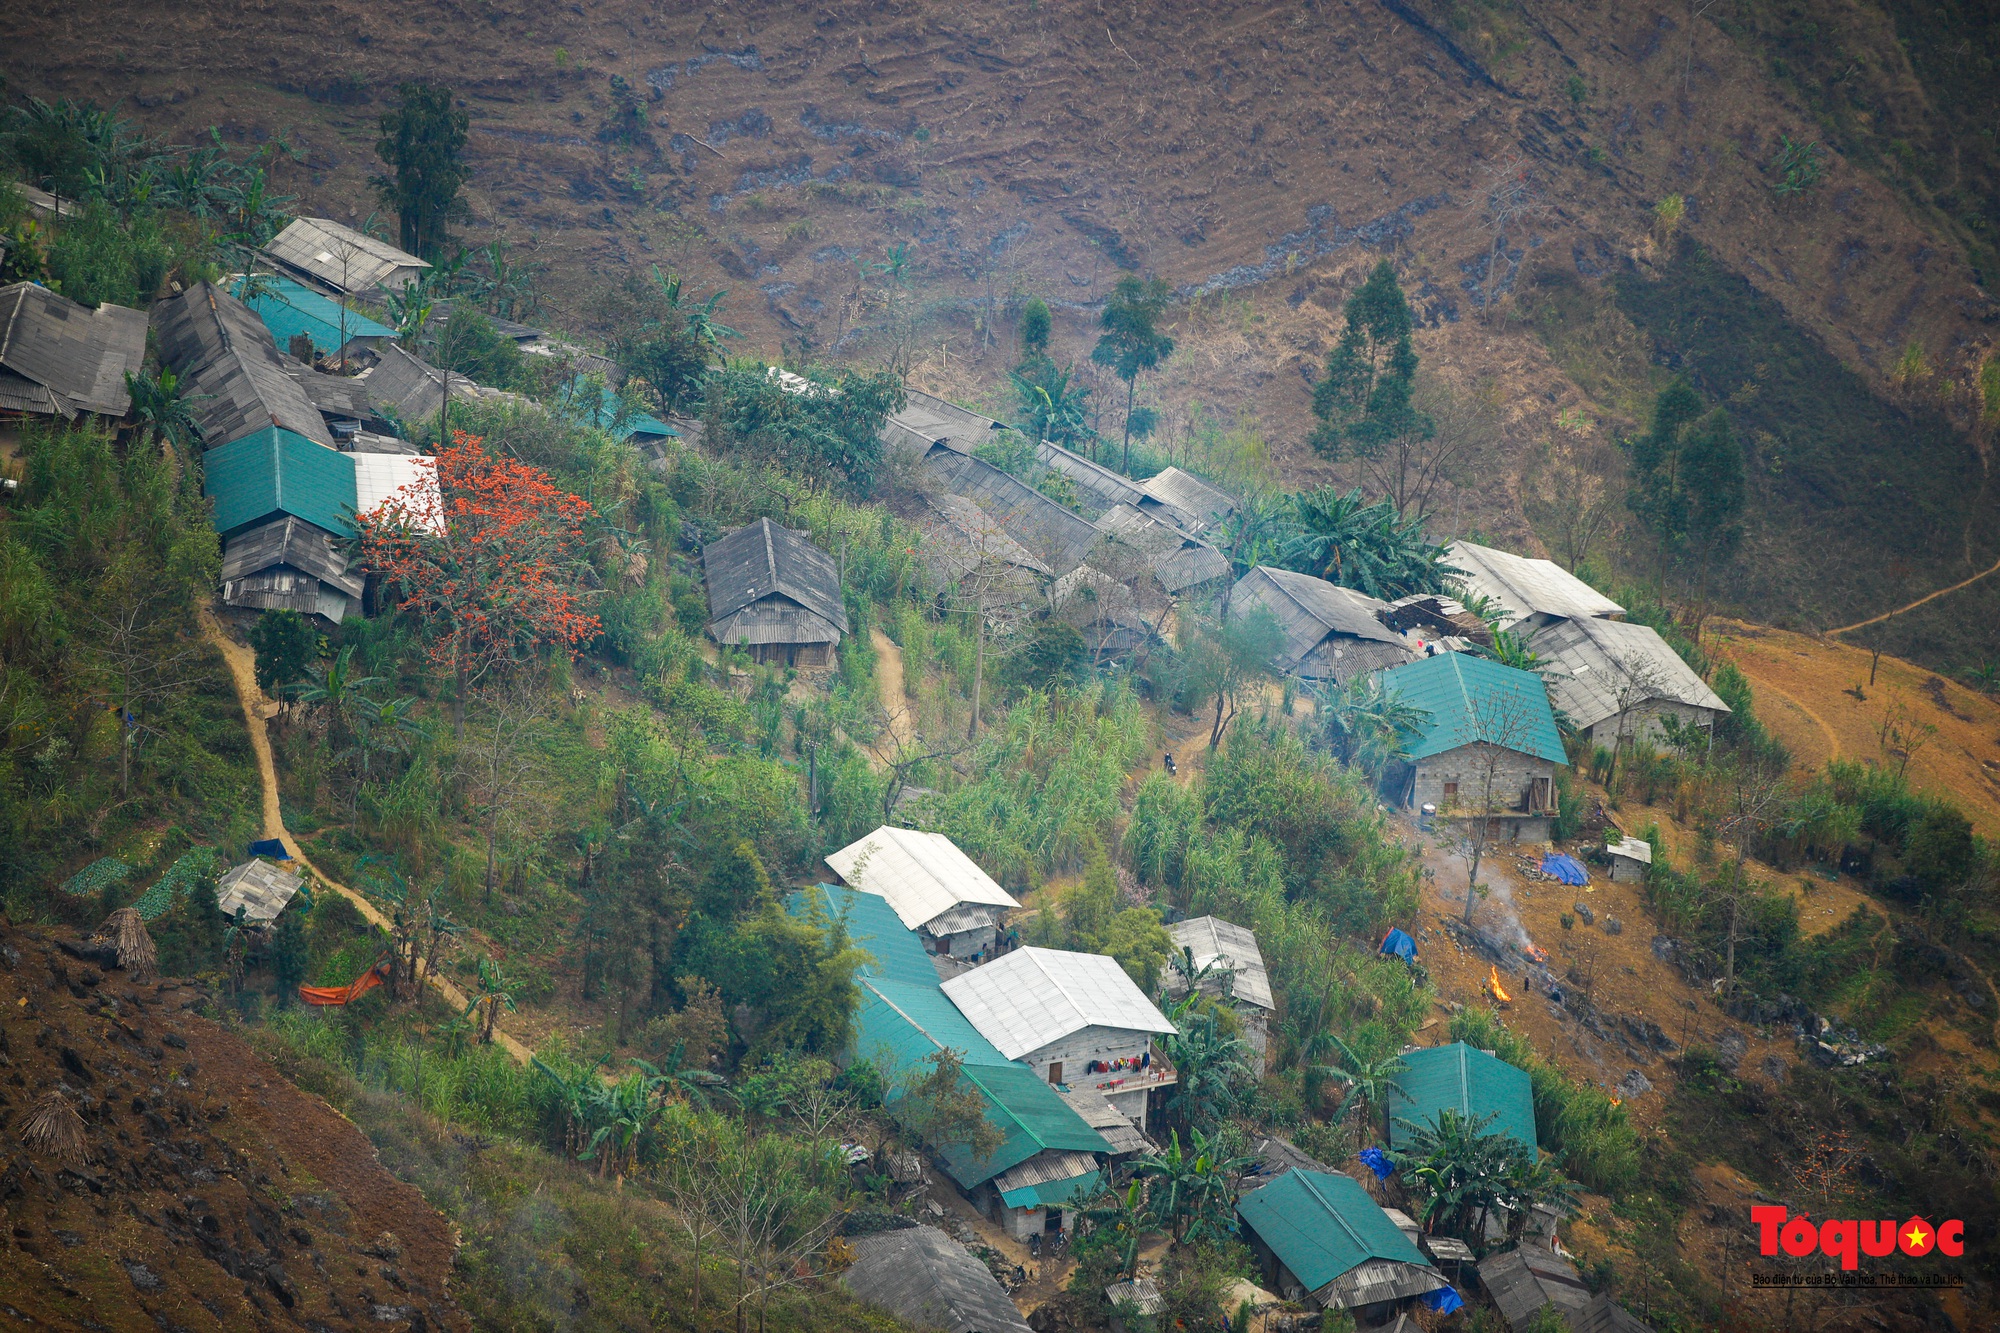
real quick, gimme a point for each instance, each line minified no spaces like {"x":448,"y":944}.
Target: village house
{"x":1460,"y":1078}
{"x":1524,"y":593}
{"x":288,"y":564}
{"x":231,"y":375}
{"x":1185,"y":500}
{"x":272,"y":472}
{"x":1227,"y":961}
{"x":1527,"y":1279}
{"x":341,"y":260}
{"x":1179,"y":560}
{"x":1048,"y":1160}
{"x":1631,"y":859}
{"x":772,"y":591}
{"x":301,"y":320}
{"x":928,"y":1280}
{"x":1328,"y":632}
{"x":61,"y":359}
{"x":257,"y":890}
{"x":1488,"y":747}
{"x":1618,"y":682}
{"x":1073,"y":1018}
{"x":1319,"y":1238}
{"x":935,"y":889}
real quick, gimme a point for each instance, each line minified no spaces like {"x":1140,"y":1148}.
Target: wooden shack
{"x":774,"y":593}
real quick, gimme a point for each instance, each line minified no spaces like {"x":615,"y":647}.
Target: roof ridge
{"x":7,"y":339}
{"x":1061,"y":990}
{"x":1305,"y":1180}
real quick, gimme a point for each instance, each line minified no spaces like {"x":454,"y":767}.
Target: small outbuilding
{"x":61,"y":359}
{"x":1474,"y":1083}
{"x":258,"y":889}
{"x":1631,"y":860}
{"x":1072,"y":1018}
{"x":290,"y":310}
{"x":1530,"y":1277}
{"x":928,"y":1280}
{"x":1227,"y":960}
{"x":1488,"y":747}
{"x":1328,"y":632}
{"x":1605,"y":1315}
{"x":1319,"y":1237}
{"x":340,"y":259}
{"x":288,"y":564}
{"x":1179,"y":559}
{"x":772,"y":591}
{"x":936,"y":889}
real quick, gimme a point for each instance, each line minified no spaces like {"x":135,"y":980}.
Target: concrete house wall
{"x":1516,"y":811}
{"x":1099,"y":1043}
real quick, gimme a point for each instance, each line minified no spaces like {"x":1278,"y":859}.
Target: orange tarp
{"x":352,"y":991}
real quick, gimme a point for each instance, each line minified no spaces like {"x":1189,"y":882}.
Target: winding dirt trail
{"x":1927,"y":597}
{"x":243,"y":671}
{"x":889,"y":686}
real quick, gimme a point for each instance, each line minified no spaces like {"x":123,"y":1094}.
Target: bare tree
{"x":901,"y":751}
{"x":1570,"y":501}
{"x":1412,"y":468}
{"x":135,"y":648}
{"x":1502,"y":722}
{"x":988,"y":574}
{"x":1756,"y":794}
{"x":1511,"y":198}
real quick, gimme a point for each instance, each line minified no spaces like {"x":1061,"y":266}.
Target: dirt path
{"x":889,"y":686}
{"x":243,"y":671}
{"x":1927,"y":597}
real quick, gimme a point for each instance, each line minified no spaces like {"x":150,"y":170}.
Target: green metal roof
{"x":1475,"y":699}
{"x":273,"y":471}
{"x":289,"y":308}
{"x":1467,"y":1080}
{"x":605,"y":412}
{"x":897,"y":953}
{"x":900,"y":1025}
{"x":1321,"y":1225}
{"x":1053,"y":1193}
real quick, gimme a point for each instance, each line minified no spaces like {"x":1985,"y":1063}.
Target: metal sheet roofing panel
{"x":81,"y":355}
{"x":1180,"y":561}
{"x":341,"y":257}
{"x":1054,"y":535}
{"x":229,"y":365}
{"x":1600,"y":668}
{"x":1322,"y":1226}
{"x":764,"y":558}
{"x":1524,"y":587}
{"x":928,"y":1280}
{"x":1233,"y":948}
{"x":1528,"y":1277}
{"x":257,"y":888}
{"x":923,"y":875}
{"x":1189,"y":502}
{"x":895,"y":954}
{"x":273,"y":472}
{"x":1464,"y":1079}
{"x":291,"y":308}
{"x":1472,"y":699}
{"x":1026,"y":999}
{"x":377,"y":477}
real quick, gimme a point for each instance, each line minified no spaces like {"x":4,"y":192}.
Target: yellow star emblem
{"x":1916,"y":1236}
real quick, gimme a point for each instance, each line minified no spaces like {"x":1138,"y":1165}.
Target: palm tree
{"x":1052,"y":406}
{"x":493,"y":995}
{"x":339,"y":690}
{"x":1465,"y":1174}
{"x":161,"y":406}
{"x":1120,"y":1216}
{"x":1368,"y":725}
{"x":390,"y":727}
{"x":1368,"y":1081}
{"x":1346,"y":540}
{"x":1193,"y":1190}
{"x":680,"y":1079}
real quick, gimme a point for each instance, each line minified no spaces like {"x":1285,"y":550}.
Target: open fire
{"x":1494,"y":987}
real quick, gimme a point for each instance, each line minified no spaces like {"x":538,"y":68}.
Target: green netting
{"x":181,"y":877}
{"x":92,"y":878}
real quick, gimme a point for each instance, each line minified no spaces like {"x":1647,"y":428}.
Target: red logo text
{"x":1778,"y":1231}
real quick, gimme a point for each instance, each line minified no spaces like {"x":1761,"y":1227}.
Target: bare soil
{"x":215,"y":1193}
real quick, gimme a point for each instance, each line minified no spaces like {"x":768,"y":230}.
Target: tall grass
{"x":1589,"y":1133}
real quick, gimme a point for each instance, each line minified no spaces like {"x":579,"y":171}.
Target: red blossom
{"x":491,"y":558}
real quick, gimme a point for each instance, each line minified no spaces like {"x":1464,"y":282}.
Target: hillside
{"x":783,"y":156}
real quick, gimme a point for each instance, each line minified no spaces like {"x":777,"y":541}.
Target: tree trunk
{"x":1131,"y":389}
{"x":1215,"y":732}
{"x":1735,"y":915}
{"x":458,"y":698}
{"x":978,"y":666}
{"x":492,"y":828}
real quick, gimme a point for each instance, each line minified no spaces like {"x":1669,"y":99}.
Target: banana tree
{"x":1193,"y":1190}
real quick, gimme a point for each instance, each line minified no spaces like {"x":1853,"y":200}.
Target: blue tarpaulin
{"x":1377,"y":1161}
{"x":1400,"y":944}
{"x":270,"y":847}
{"x":1444,"y":1300}
{"x":1565,"y":868}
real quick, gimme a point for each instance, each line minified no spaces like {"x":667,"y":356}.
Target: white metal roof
{"x":1232,"y":947}
{"x":1526,"y":587}
{"x":1598,"y":669}
{"x":923,"y":875}
{"x":259,"y":888}
{"x":1636,"y":849}
{"x":379,"y":476}
{"x":1026,"y":999}
{"x":342,"y":257}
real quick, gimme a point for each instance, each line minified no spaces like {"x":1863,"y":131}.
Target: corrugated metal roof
{"x":1179,"y":561}
{"x":1187,"y":501}
{"x":289,"y":541}
{"x":928,"y":1280}
{"x":1099,"y":484}
{"x":1600,"y":668}
{"x":1604,"y":1314}
{"x":1142,"y":1292}
{"x":1097,"y":1111}
{"x":1329,"y":632}
{"x":341,"y":257}
{"x":1276,"y":1157}
{"x":409,"y":388}
{"x":333,"y":395}
{"x":966,"y":536}
{"x":377,"y":477}
{"x":259,"y":888}
{"x":1474,"y":699}
{"x":1048,"y":1179}
{"x":1022,"y":1001}
{"x":764,"y":562}
{"x":230,"y":370}
{"x":1055,"y":536}
{"x":1233,"y":947}
{"x":79,"y":356}
{"x":273,"y":472}
{"x":922,"y":875}
{"x":900,"y":1025}
{"x":1466,"y":1080}
{"x":895,"y":954}
{"x":1524,"y":1279}
{"x":1323,"y":1227}
{"x":1524,"y":586}
{"x":290,"y":308}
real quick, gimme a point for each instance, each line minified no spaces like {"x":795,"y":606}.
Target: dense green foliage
{"x":1363,"y":401}
{"x":423,"y":145}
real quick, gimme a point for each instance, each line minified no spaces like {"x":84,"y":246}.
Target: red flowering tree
{"x":491,"y":558}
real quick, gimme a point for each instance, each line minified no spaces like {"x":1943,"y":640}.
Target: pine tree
{"x":1035,"y":328}
{"x":1363,"y":401}
{"x":423,"y":142}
